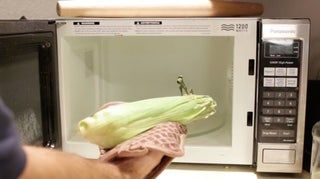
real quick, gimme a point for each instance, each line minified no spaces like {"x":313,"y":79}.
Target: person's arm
{"x":37,"y":163}
{"x":12,"y":156}
{"x":47,"y":163}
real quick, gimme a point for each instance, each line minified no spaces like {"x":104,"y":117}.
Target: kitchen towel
{"x":167,"y":138}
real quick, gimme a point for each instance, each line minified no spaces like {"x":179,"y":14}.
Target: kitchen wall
{"x":32,"y":9}
{"x":43,"y":9}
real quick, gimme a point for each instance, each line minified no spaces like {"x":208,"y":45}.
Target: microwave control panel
{"x":278,"y":95}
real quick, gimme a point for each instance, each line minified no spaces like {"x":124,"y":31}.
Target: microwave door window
{"x":97,"y":70}
{"x":20,"y":90}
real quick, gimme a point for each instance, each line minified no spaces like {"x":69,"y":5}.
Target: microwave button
{"x":281,"y":71}
{"x":268,"y":82}
{"x":266,"y":125}
{"x":290,"y":120}
{"x":268,"y":71}
{"x":268,"y":94}
{"x":280,"y":82}
{"x":267,"y":111}
{"x":291,"y":103}
{"x":266,"y":119}
{"x":292,"y":95}
{"x":287,"y":133}
{"x":279,"y":111}
{"x":278,"y":120}
{"x":279,"y":103}
{"x":280,"y":94}
{"x":292,"y":82}
{"x":270,"y":133}
{"x":292,"y":71}
{"x":290,"y":111}
{"x":290,"y":125}
{"x":267,"y":102}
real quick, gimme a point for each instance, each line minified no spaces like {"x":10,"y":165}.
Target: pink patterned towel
{"x":167,"y":138}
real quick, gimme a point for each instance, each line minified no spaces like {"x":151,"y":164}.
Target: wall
{"x":43,"y":9}
{"x":32,"y":9}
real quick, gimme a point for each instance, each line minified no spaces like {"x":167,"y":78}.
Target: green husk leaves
{"x":117,"y":123}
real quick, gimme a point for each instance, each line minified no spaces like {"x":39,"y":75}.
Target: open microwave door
{"x":133,"y":59}
{"x":28,"y":79}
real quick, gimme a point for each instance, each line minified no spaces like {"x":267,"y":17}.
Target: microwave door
{"x":27,"y":80}
{"x":133,"y":59}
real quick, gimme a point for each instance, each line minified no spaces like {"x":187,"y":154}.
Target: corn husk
{"x":117,"y":123}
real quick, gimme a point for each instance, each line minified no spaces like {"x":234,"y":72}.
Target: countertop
{"x":200,"y":171}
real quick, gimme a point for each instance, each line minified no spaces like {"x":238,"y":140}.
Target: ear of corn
{"x":118,"y":123}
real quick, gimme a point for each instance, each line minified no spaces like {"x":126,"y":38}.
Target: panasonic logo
{"x":282,"y":31}
{"x":279,"y":30}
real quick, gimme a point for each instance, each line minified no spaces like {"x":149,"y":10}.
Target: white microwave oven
{"x":255,"y":69}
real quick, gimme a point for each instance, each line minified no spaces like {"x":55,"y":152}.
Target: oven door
{"x":27,"y":84}
{"x":134,"y":59}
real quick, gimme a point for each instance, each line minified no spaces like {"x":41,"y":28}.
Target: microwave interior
{"x":96,"y":70}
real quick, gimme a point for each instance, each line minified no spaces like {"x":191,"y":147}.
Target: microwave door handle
{"x":249,"y":118}
{"x":251,"y":67}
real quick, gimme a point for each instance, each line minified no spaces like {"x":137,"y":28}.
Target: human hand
{"x":147,"y":155}
{"x":135,"y":167}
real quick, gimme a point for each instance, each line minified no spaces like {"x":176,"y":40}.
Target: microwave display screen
{"x":282,"y":49}
{"x":277,"y":49}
